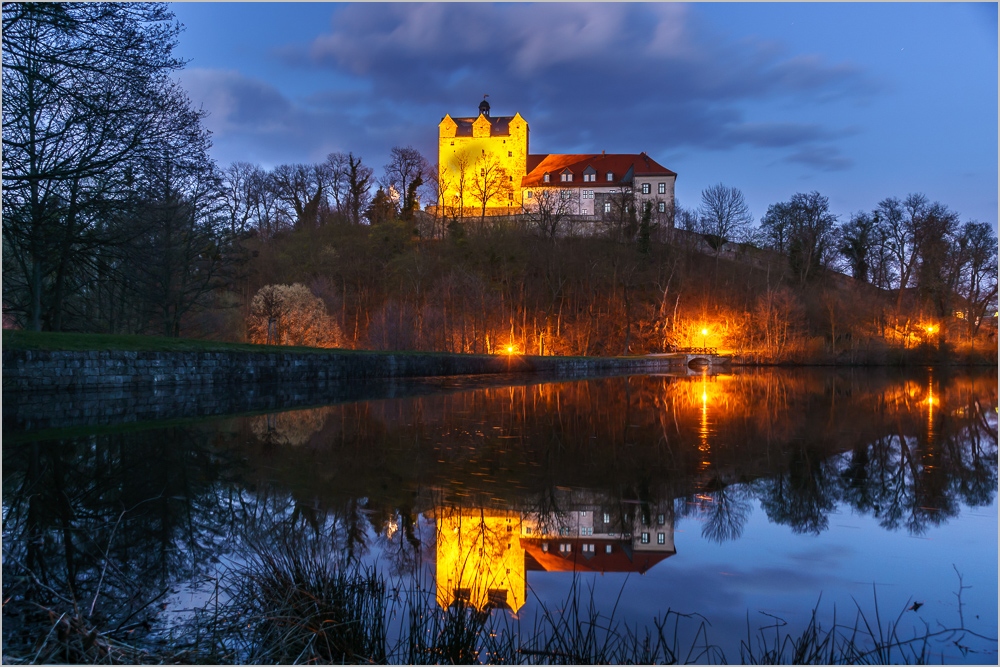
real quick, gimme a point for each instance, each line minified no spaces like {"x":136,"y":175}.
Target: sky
{"x":858,"y":101}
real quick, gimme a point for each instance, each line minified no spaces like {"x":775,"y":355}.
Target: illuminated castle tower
{"x":479,"y":157}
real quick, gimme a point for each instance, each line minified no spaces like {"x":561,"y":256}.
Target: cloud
{"x":822,"y":158}
{"x":637,"y":76}
{"x":252,"y":120}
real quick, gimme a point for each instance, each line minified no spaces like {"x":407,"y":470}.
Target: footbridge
{"x":696,"y":358}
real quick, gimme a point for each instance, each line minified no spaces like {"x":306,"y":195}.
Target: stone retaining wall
{"x":49,"y":389}
{"x":29,"y":370}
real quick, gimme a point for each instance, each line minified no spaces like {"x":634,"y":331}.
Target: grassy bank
{"x":79,"y":342}
{"x":292,"y":600}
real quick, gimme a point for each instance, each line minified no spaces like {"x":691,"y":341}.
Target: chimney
{"x":602,"y":153}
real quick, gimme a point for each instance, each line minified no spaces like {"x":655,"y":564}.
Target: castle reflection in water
{"x":482,"y":556}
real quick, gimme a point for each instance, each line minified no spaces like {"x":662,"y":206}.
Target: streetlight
{"x":704,"y":336}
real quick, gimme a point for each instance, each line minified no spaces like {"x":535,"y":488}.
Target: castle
{"x":484,"y":167}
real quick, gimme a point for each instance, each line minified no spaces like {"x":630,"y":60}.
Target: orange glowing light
{"x":510,"y":349}
{"x":931,"y":328}
{"x":704,"y":332}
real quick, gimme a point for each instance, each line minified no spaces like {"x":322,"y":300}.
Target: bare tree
{"x":405,"y":166}
{"x":240,"y":189}
{"x":724,"y":214}
{"x":490,"y":182}
{"x":359,"y":180}
{"x":977,"y":247}
{"x":302,"y":186}
{"x":548,"y":211}
{"x":85,"y":87}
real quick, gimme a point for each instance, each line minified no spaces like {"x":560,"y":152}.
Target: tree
{"x":490,"y":183}
{"x":621,"y":222}
{"x":84,"y":86}
{"x":976,"y":247}
{"x":405,"y":166}
{"x":381,"y":209}
{"x":359,"y":179}
{"x":547,"y":211}
{"x":803,"y":228}
{"x":724,"y":214}
{"x":291,"y":315}
{"x":241,"y":187}
{"x":855,"y":240}
{"x":302,"y":187}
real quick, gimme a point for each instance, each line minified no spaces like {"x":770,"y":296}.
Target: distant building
{"x":486,"y":157}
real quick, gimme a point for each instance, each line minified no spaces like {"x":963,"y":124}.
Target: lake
{"x":728,"y":508}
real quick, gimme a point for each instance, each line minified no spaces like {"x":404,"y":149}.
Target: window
{"x":564,"y":531}
{"x":645,"y":538}
{"x":530,"y":195}
{"x":566,"y":178}
{"x":545,"y":178}
{"x":527,"y":530}
{"x":589,"y":178}
{"x":511,"y":154}
{"x":588,"y":548}
{"x":588,"y":194}
{"x":645,"y":519}
{"x":545,"y":547}
{"x":565,"y":194}
{"x":662,"y":188}
{"x":607,"y":518}
{"x":661,"y":207}
{"x":660,"y":519}
{"x":607,"y":548}
{"x":611,"y":176}
{"x":586,"y":531}
{"x":607,"y":207}
{"x":453,"y":143}
{"x":584,"y":513}
{"x":482,"y":172}
{"x":645,"y":188}
{"x":661,"y":538}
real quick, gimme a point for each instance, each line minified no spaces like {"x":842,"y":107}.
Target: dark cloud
{"x":635,"y":76}
{"x":252,"y":120}
{"x":587,"y":77}
{"x":822,"y":157}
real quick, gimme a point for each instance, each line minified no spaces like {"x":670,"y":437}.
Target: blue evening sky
{"x":859,"y":101}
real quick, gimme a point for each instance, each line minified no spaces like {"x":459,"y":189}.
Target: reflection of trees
{"x":799,"y":441}
{"x":803,"y":495}
{"x":726,"y":512}
{"x":101,"y":527}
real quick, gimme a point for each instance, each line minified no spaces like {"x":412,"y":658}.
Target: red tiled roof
{"x":617,"y":163}
{"x":619,"y":560}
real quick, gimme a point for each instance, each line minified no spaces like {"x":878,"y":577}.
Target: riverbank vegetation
{"x":139,"y":231}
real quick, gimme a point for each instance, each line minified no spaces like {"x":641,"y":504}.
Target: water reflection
{"x":489,"y":485}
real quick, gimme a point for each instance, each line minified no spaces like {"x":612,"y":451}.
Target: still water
{"x":745,"y":500}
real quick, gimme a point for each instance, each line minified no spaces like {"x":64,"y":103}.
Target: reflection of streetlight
{"x":704,"y":337}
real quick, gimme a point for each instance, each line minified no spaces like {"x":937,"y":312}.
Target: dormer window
{"x":545,"y":178}
{"x":566,"y":176}
{"x":611,"y":176}
{"x":589,"y":175}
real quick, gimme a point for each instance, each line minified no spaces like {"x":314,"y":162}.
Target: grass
{"x":292,"y":599}
{"x":16,"y":339}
